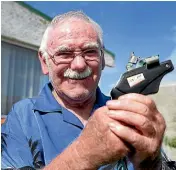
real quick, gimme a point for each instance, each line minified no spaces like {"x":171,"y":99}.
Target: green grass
{"x":171,"y":142}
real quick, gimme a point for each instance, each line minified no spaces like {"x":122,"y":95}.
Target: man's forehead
{"x":74,"y":29}
{"x":71,"y":33}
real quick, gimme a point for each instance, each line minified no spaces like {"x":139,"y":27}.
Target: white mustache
{"x":69,"y":73}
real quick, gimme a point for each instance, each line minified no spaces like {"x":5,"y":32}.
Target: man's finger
{"x":139,"y":98}
{"x":131,"y":106}
{"x":140,"y":122}
{"x":129,"y":135}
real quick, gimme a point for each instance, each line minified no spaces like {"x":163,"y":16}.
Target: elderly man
{"x":71,"y":124}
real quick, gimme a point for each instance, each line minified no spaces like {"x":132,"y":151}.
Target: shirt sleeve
{"x":15,"y":152}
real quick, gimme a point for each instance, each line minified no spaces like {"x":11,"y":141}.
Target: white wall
{"x":20,"y":23}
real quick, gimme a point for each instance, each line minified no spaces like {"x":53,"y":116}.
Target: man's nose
{"x":78,"y":63}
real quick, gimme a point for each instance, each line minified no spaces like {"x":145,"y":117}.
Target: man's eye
{"x":64,"y":54}
{"x":90,"y":52}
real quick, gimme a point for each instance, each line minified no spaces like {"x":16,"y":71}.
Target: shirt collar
{"x":101,"y":99}
{"x":45,"y":101}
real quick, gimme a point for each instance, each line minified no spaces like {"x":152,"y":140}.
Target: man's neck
{"x":81,"y":110}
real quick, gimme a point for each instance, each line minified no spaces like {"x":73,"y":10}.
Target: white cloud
{"x":171,"y":77}
{"x":173,"y":56}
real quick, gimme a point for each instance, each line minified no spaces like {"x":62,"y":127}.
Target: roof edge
{"x":20,"y":43}
{"x":30,"y":8}
{"x":111,"y":53}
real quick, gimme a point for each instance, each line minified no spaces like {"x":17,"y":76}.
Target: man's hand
{"x":97,"y":144}
{"x":140,"y":124}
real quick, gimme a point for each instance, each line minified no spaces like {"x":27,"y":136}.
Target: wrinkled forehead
{"x":72,"y":32}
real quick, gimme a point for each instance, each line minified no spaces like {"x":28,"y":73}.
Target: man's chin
{"x":78,"y":95}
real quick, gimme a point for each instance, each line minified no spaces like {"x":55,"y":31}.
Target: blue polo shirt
{"x":38,"y":129}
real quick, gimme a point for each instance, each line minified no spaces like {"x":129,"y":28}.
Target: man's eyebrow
{"x":63,"y":48}
{"x":91,"y":45}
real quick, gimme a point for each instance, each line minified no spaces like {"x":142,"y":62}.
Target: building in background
{"x":21,"y":33}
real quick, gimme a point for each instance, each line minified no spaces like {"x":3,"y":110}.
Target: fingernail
{"x":112,"y":102}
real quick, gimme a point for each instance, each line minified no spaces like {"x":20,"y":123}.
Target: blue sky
{"x":147,"y":28}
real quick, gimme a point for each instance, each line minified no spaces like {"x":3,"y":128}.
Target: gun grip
{"x":115,"y":93}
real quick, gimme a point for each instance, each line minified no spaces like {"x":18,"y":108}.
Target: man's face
{"x":74,"y":77}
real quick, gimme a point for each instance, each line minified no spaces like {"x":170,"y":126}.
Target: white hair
{"x":66,"y":16}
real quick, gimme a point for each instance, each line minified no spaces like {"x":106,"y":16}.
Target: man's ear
{"x":43,"y":63}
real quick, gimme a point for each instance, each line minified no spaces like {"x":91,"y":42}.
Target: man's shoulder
{"x":23,"y":108}
{"x":24,"y":103}
{"x":21,"y":114}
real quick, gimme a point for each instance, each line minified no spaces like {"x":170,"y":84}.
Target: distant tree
{"x":171,"y":142}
